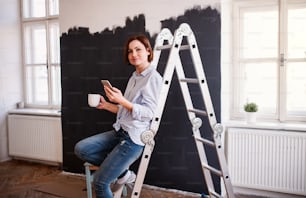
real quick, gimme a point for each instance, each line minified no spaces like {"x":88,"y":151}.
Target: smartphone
{"x":106,"y":83}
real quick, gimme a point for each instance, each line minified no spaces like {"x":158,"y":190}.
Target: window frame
{"x":282,"y":114}
{"x":46,"y":21}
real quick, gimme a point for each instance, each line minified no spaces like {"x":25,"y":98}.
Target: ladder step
{"x":197,"y":111}
{"x":205,"y":141}
{"x":212,"y":169}
{"x":163,"y":47}
{"x":190,"y":80}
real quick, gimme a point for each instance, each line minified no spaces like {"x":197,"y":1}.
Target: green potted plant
{"x":250,"y":108}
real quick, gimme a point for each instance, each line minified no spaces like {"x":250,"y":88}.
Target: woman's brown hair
{"x":144,"y":40}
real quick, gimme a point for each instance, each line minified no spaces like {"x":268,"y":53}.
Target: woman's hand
{"x":102,"y":104}
{"x":113,"y":94}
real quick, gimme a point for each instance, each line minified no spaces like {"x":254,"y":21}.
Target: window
{"x":270,"y":58}
{"x":41,"y":49}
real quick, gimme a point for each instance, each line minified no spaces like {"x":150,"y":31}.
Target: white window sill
{"x":38,"y":112}
{"x":266,"y":125}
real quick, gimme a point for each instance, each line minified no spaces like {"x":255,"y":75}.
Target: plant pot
{"x":251,"y":117}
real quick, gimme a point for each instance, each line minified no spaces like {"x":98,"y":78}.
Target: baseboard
{"x":264,"y":193}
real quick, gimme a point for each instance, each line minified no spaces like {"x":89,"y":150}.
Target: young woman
{"x":114,"y":151}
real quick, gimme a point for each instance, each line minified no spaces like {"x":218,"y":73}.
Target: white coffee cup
{"x":93,"y":100}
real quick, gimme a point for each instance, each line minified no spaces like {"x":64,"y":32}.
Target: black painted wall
{"x":86,"y":58}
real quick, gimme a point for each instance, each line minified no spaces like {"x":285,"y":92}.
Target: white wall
{"x":226,"y":59}
{"x":10,"y":66}
{"x":101,"y":14}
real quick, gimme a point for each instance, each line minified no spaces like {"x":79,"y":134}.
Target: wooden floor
{"x":20,"y":179}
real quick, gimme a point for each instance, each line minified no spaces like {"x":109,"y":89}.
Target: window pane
{"x":56,"y":85}
{"x":35,"y":44}
{"x":54,"y":42}
{"x":53,"y":7}
{"x":259,"y":32}
{"x":37,"y":85}
{"x":296,"y":33}
{"x":259,"y":84}
{"x":34,"y":8}
{"x":296,"y":88}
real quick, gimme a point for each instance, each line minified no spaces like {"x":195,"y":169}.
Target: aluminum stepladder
{"x":174,"y":44}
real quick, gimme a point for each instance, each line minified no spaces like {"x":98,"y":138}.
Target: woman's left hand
{"x":113,"y":94}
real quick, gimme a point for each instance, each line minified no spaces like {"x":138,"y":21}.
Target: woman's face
{"x":138,"y":54}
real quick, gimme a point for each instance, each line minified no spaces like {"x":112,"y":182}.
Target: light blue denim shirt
{"x":143,"y":91}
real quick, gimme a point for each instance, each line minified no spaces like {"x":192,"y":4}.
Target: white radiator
{"x":267,"y":160}
{"x":35,"y":137}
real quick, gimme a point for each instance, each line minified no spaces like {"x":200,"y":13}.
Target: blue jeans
{"x":114,"y":152}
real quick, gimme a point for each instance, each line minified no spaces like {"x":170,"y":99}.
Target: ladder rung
{"x":205,"y":141}
{"x":214,"y":194}
{"x":163,"y":47}
{"x":184,"y":47}
{"x":190,"y":80}
{"x":197,"y":111}
{"x":212,"y":169}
